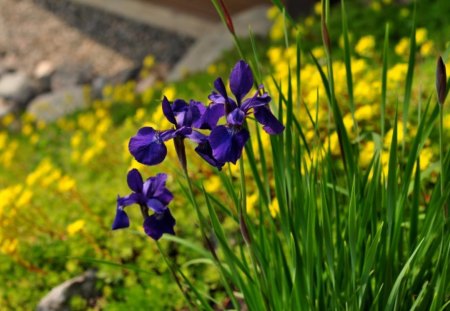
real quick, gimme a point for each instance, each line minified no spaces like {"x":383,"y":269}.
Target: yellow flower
{"x":213,"y":184}
{"x":169,"y":91}
{"x":149,"y":61}
{"x":402,"y":48}
{"x":9,"y":246}
{"x":421,"y":36}
{"x":318,"y":52}
{"x":273,"y":12}
{"x":25,"y":198}
{"x":376,"y":6}
{"x":252,"y":200}
{"x":425,"y":158}
{"x":365,"y":113}
{"x":318,"y":8}
{"x":27,"y":129}
{"x":427,"y":48}
{"x":66,"y":184}
{"x":365,"y":46}
{"x":274,"y":208}
{"x":8,"y":119}
{"x":75,"y":227}
{"x":3,"y":140}
{"x":366,"y":154}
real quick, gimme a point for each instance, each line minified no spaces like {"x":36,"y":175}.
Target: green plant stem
{"x":175,"y":276}
{"x":441,"y":155}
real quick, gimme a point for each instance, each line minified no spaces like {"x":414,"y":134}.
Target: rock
{"x":211,"y":46}
{"x":97,"y":87}
{"x":69,"y":75}
{"x":17,"y":87}
{"x":51,"y":106}
{"x":43,"y":69}
{"x":5,"y":107}
{"x":42,"y":75}
{"x":58,"y":299}
{"x":125,"y":75}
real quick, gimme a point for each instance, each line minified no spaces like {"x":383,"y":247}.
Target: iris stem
{"x":441,"y":155}
{"x":175,"y":276}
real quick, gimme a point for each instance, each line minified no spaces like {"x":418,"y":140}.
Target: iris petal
{"x":271,"y":124}
{"x":147,"y":147}
{"x":241,"y":80}
{"x":158,"y":224}
{"x":227,"y":144}
{"x":134,"y":180}
{"x":121,"y":220}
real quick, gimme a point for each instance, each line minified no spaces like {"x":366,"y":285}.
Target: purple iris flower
{"x":227,"y":141}
{"x":148,"y":147}
{"x":149,"y":195}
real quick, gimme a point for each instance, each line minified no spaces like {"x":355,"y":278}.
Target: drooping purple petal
{"x":271,"y":124}
{"x":210,"y":116}
{"x":134,"y":180}
{"x":256,"y":101}
{"x":121,"y":219}
{"x":227,"y":143}
{"x":167,"y":110}
{"x":147,"y":147}
{"x":236,"y":117}
{"x":158,"y":224}
{"x":205,"y":151}
{"x":241,"y":80}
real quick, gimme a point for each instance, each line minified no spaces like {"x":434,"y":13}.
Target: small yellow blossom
{"x":274,"y":208}
{"x":169,"y":92}
{"x":25,"y":198}
{"x":8,"y":119}
{"x":75,"y":227}
{"x":421,"y":35}
{"x":365,"y":113}
{"x":402,"y":48}
{"x":9,"y":246}
{"x":273,"y":12}
{"x":365,"y":46}
{"x":252,"y":201}
{"x":427,"y":48}
{"x":366,"y":154}
{"x":318,"y":8}
{"x":66,"y":183}
{"x":149,"y":61}
{"x":27,"y":129}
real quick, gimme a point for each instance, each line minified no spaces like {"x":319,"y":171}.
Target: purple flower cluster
{"x":224,"y":143}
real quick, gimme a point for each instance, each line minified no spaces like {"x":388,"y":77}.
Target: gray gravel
{"x":71,"y":34}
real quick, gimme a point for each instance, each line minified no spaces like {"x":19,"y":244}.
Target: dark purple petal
{"x":167,"y":110}
{"x":220,"y":87}
{"x":256,"y":101}
{"x":210,"y":116}
{"x":158,"y":224}
{"x":241,"y":80}
{"x":147,"y":147}
{"x":205,"y":151}
{"x":271,"y":124}
{"x":227,"y":143}
{"x":236,"y":117}
{"x":134,"y":180}
{"x":121,"y":220}
{"x":156,"y":205}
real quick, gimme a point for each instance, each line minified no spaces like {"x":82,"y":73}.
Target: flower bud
{"x":441,"y":81}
